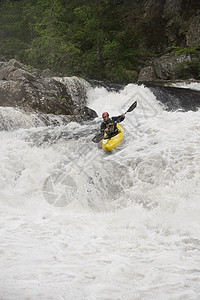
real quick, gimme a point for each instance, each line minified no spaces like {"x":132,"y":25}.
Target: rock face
{"x":167,"y":23}
{"x":193,"y":34}
{"x":26,"y":89}
{"x":147,"y":74}
{"x":164,"y":68}
{"x":182,"y":19}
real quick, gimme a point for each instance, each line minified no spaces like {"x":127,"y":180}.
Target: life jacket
{"x":112,"y":126}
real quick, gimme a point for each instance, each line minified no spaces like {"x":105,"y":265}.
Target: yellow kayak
{"x":115,"y":141}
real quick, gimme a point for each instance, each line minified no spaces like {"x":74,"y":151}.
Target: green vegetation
{"x":187,"y":50}
{"x":61,"y":99}
{"x":189,"y":70}
{"x":92,"y":39}
{"x":96,"y":39}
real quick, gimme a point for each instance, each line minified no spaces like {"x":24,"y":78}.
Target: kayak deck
{"x":113,"y":142}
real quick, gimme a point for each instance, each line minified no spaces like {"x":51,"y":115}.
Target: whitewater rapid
{"x":81,"y":224}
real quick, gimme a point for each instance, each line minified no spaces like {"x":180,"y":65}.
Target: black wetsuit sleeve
{"x":103,"y":127}
{"x":118,"y":119}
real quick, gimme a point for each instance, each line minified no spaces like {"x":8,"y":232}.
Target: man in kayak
{"x":109,"y":125}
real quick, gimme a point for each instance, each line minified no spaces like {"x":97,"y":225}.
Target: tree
{"x":14,"y":34}
{"x":89,"y":38}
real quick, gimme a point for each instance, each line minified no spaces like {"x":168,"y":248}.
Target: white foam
{"x":191,"y":85}
{"x":78,"y":223}
{"x":118,"y":102}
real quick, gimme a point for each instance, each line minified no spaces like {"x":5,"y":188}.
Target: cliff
{"x":167,"y":23}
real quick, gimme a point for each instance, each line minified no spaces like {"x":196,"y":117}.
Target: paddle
{"x":97,"y":138}
{"x":132,"y":107}
{"x":100,"y":136}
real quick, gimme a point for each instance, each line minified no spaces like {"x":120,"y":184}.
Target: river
{"x":78,"y":223}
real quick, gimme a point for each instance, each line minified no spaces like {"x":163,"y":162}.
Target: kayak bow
{"x":112,"y":143}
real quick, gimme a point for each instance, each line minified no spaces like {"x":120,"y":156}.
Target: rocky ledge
{"x":166,"y":67}
{"x":28,"y":89}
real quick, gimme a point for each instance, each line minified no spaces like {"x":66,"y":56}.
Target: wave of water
{"x":79,"y":223}
{"x":12,"y":119}
{"x":190,"y":85}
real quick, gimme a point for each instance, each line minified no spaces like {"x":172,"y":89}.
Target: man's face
{"x":105,"y":118}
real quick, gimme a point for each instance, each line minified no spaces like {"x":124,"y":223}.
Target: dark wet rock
{"x":23,"y":87}
{"x":175,"y":98}
{"x":109,"y":86}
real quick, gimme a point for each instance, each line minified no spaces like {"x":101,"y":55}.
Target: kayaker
{"x":109,"y":125}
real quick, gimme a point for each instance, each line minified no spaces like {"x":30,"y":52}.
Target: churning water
{"x":81,"y":224}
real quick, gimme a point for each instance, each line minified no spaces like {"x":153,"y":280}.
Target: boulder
{"x":31,"y":92}
{"x":147,"y":74}
{"x":164,"y":67}
{"x":12,"y":73}
{"x":2,"y":64}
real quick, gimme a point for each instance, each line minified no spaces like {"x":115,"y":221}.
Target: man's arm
{"x":103,"y":127}
{"x":119,"y":118}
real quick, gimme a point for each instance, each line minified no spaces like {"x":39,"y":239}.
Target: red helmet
{"x":105,"y":114}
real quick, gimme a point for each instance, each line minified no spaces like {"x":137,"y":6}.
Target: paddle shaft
{"x":131,"y":108}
